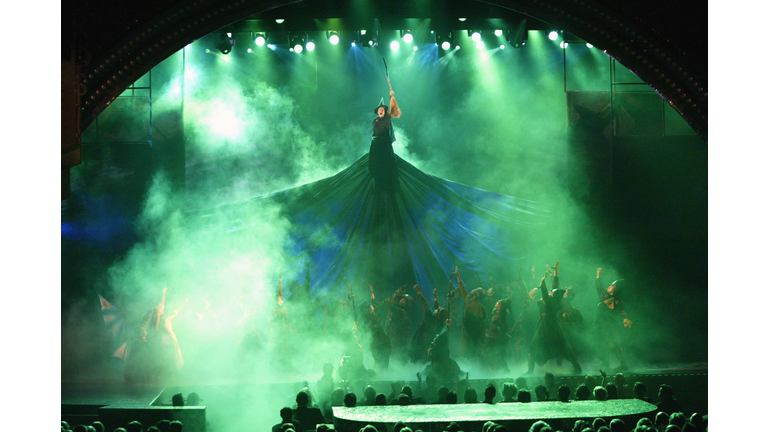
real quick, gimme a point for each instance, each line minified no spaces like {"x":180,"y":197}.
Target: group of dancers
{"x":483,"y":327}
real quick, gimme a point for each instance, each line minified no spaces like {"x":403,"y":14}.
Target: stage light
{"x":310,"y":46}
{"x":395,"y":45}
{"x":260,"y":39}
{"x":498,"y":32}
{"x":553,"y":35}
{"x":476,"y":35}
{"x":589,"y":45}
{"x":333,"y":37}
{"x":367,"y":39}
{"x":518,"y":35}
{"x":407,"y":36}
{"x":480,"y":44}
{"x":444,"y":40}
{"x":563,"y":44}
{"x":415,"y":47}
{"x":297,"y":41}
{"x":224,"y":43}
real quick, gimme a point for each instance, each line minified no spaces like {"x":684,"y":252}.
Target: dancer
{"x":549,"y":341}
{"x":430,"y":324}
{"x":162,"y":354}
{"x":378,"y":341}
{"x":610,"y":320}
{"x":473,"y":323}
{"x":381,"y":157}
{"x":497,"y":338}
{"x":399,"y":323}
{"x":440,"y":363}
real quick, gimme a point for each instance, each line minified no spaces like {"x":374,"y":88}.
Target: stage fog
{"x":184,"y":182}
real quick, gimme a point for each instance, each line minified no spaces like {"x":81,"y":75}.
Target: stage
{"x":253,"y":402}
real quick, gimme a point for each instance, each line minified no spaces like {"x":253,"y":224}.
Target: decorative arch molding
{"x":628,"y":40}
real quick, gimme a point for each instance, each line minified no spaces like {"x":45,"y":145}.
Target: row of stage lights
{"x":298,"y":42}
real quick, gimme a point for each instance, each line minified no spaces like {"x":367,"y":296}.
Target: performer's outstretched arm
{"x":394,"y":110}
{"x":162,"y":301}
{"x":543,"y":289}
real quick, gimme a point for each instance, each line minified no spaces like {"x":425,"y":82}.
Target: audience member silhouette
{"x":599,"y":422}
{"x":134,"y":426}
{"x":667,"y":402}
{"x":639,"y":390}
{"x":617,"y":425}
{"x":370,"y":396}
{"x":524,"y":395}
{"x":600,"y":393}
{"x":662,"y":420}
{"x":308,"y":416}
{"x":470,"y":395}
{"x":563,"y":393}
{"x":490,"y":393}
{"x":442,"y":395}
{"x":582,"y":392}
{"x":509,"y":392}
{"x":350,"y":400}
{"x":542,"y":395}
{"x":286,"y":417}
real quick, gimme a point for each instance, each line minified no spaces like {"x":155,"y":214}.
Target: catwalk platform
{"x":253,"y":403}
{"x":515,"y":416}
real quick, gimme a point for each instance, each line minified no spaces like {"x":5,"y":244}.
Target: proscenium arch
{"x":656,"y":61}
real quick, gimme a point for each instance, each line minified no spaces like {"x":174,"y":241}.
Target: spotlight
{"x":518,"y":36}
{"x":297,"y":41}
{"x":589,"y":45}
{"x":480,"y":44}
{"x":476,"y":35}
{"x":260,"y":39}
{"x":368,"y":39}
{"x":225,"y":42}
{"x":553,"y":35}
{"x":498,"y":32}
{"x":563,"y":44}
{"x":395,"y":45}
{"x":407,"y":36}
{"x":310,"y":46}
{"x":333,"y":37}
{"x":444,"y":40}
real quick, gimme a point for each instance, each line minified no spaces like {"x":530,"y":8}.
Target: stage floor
{"x":254,"y":402}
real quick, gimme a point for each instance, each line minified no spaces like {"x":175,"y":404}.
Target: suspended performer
{"x":381,"y":156}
